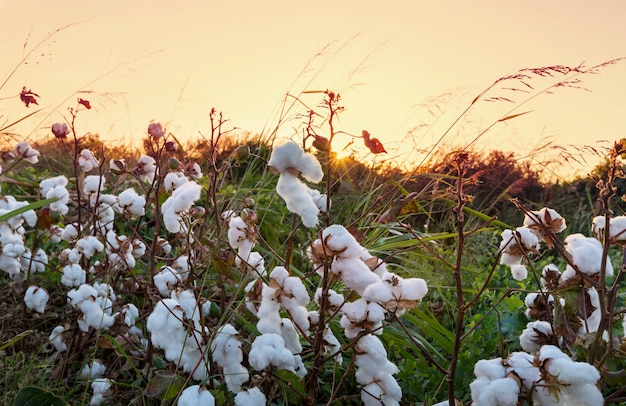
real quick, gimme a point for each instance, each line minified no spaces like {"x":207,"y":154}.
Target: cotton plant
{"x":175,"y":327}
{"x":291,"y":163}
{"x":12,"y":237}
{"x":548,"y":377}
{"x":226,"y":352}
{"x":177,"y":206}
{"x":94,"y":308}
{"x":24,"y":151}
{"x":169,"y":277}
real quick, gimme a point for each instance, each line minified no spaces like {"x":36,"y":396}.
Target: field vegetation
{"x":242,"y":269}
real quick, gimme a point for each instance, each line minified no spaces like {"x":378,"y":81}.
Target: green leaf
{"x":31,"y":206}
{"x":32,"y":396}
{"x":15,"y":339}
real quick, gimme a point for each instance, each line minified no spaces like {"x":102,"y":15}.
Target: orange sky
{"x":241,"y":57}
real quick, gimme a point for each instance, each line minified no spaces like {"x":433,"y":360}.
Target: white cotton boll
{"x":586,"y":254}
{"x":279,"y":274}
{"x":93,"y":316}
{"x":572,"y":373}
{"x":335,"y":300}
{"x":56,"y":338}
{"x":250,"y":397}
{"x":181,"y":200}
{"x":355,"y":274}
{"x":557,"y":222}
{"x":146,"y":168}
{"x":530,"y":339}
{"x":237,"y":231}
{"x":93,"y":184}
{"x":393,"y":392}
{"x":100,"y":388}
{"x":23,"y":150}
{"x":290,"y":155}
{"x":89,"y":246}
{"x":87,"y":160}
{"x":47,"y":184}
{"x":84,"y":292}
{"x":358,"y":311}
{"x":36,"y":263}
{"x":269,"y":349}
{"x":92,"y":371}
{"x":166,"y":280}
{"x":490,"y":369}
{"x":36,"y":298}
{"x":297,"y":198}
{"x":617,"y":232}
{"x":586,"y":394}
{"x":187,"y":300}
{"x":173,"y":180}
{"x":500,"y":392}
{"x":73,"y":275}
{"x":522,"y":364}
{"x":193,"y":170}
{"x":339,"y":239}
{"x":195,"y":396}
{"x":139,"y":248}
{"x":268,"y":312}
{"x":70,"y":232}
{"x":131,"y":202}
{"x":372,"y":394}
{"x":320,"y":200}
{"x":519,"y":272}
{"x":63,"y":196}
{"x":289,"y":333}
{"x":131,"y":314}
{"x":12,"y":267}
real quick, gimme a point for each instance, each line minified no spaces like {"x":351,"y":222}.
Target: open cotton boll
{"x":535,"y":335}
{"x":93,"y":184}
{"x":56,"y":338}
{"x":94,"y":370}
{"x":586,"y":254}
{"x":269,"y":349}
{"x":36,"y":298}
{"x":547,"y":217}
{"x":354,"y":273}
{"x":129,"y":201}
{"x":298,"y":198}
{"x":227,"y":354}
{"x":269,"y":311}
{"x":519,"y":272}
{"x":617,"y":229}
{"x":362,"y":315}
{"x":100,"y":388}
{"x":490,"y":369}
{"x":250,"y":397}
{"x":499,"y":392}
{"x":173,"y":180}
{"x":290,"y":156}
{"x":73,"y":275}
{"x":195,"y":396}
{"x":48,"y":184}
{"x":395,"y":293}
{"x":34,"y":263}
{"x":146,"y":168}
{"x":181,"y":200}
{"x":89,"y":246}
{"x":87,"y":160}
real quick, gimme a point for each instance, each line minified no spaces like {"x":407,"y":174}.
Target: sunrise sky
{"x":403,"y":67}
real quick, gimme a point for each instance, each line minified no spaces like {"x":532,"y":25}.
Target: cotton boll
{"x":499,"y":392}
{"x":586,"y":254}
{"x":585,"y":394}
{"x":93,"y":184}
{"x":355,"y":274}
{"x":70,"y":232}
{"x":166,"y":280}
{"x":89,"y":246}
{"x":195,"y":396}
{"x":269,"y":349}
{"x":146,"y":168}
{"x":289,"y":333}
{"x":535,"y":335}
{"x":92,"y":371}
{"x":56,"y":338}
{"x":73,"y":275}
{"x":250,"y":397}
{"x":519,"y":272}
{"x":34,"y":263}
{"x":87,"y":160}
{"x":173,"y":180}
{"x":100,"y":388}
{"x":490,"y":369}
{"x":130,"y":202}
{"x":36,"y":298}
{"x":290,"y":156}
{"x":269,"y":312}
{"x":298,"y":199}
{"x":372,"y":394}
